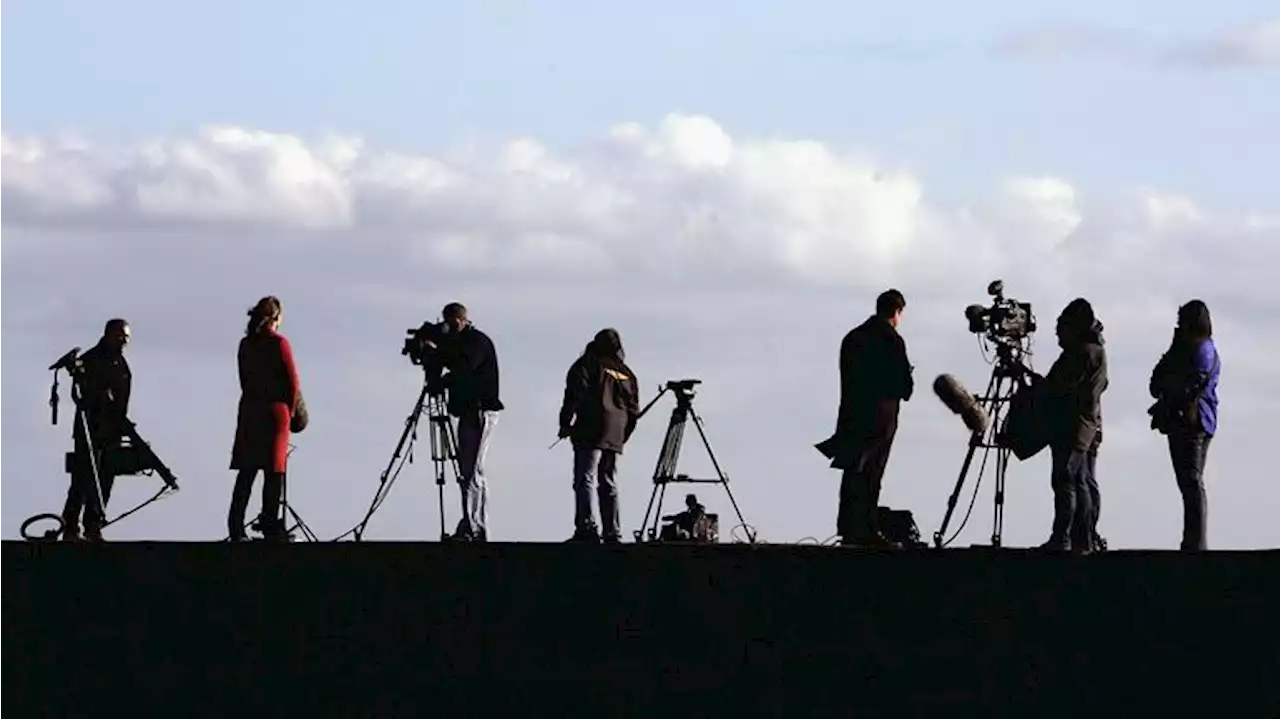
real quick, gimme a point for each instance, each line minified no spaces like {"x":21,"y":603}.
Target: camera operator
{"x":600,"y":409}
{"x":684,"y":524}
{"x":472,"y":385}
{"x":1184,"y":384}
{"x":875,"y":378}
{"x":105,"y":383}
{"x":1072,"y":391}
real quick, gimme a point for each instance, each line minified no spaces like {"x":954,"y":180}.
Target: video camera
{"x":422,"y":343}
{"x":1006,"y":320}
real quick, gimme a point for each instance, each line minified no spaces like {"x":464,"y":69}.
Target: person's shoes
{"x":94,"y":535}
{"x":1099,"y":544}
{"x":584,"y":536}
{"x":71,"y":534}
{"x":612,"y":539}
{"x":1055,"y":546}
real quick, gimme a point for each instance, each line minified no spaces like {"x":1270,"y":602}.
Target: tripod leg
{"x":1002,"y":458}
{"x":91,"y":453}
{"x":665,"y":470}
{"x":444,"y":456}
{"x":724,"y":480}
{"x":407,"y":437}
{"x":1002,"y":469}
{"x":976,"y":440}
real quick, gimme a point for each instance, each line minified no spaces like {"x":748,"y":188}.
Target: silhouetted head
{"x":606,"y":343}
{"x":1194,"y":322}
{"x":455,"y":317}
{"x":691,"y":500}
{"x":890,"y":306}
{"x":1075,"y":323}
{"x":116,"y":335}
{"x":265,"y":316}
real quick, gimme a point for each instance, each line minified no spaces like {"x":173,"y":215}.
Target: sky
{"x":729,"y":185}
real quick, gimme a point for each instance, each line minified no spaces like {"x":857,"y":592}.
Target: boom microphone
{"x":961,"y":401}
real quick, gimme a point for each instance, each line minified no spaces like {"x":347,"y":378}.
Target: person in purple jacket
{"x":1184,"y":384}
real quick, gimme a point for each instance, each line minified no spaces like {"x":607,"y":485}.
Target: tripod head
{"x":683,"y":390}
{"x":1009,"y":359}
{"x":69,"y":362}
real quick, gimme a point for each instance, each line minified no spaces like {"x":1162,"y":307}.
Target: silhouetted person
{"x":269,"y":395}
{"x":105,"y":383}
{"x":1184,"y":384}
{"x":875,"y":378}
{"x":472,"y":385}
{"x":599,"y":412}
{"x":1073,"y":402}
{"x":684,"y":523}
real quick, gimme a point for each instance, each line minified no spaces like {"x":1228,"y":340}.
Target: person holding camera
{"x":600,"y":409}
{"x":875,"y":378}
{"x":1072,"y":392}
{"x":472,"y":385}
{"x":1184,"y":384}
{"x":105,"y":383}
{"x":270,"y":395}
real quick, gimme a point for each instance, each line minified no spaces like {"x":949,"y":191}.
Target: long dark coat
{"x":875,"y":377}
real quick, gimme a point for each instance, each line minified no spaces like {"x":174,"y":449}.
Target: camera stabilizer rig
{"x":421,"y":346}
{"x":128,"y":454}
{"x":1008,"y":325}
{"x":665,"y":472}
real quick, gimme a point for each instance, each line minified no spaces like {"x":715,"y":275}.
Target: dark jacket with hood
{"x":1075,"y":383}
{"x":875,"y":378}
{"x":601,"y":396}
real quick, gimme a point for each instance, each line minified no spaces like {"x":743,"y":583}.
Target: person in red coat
{"x":269,"y":395}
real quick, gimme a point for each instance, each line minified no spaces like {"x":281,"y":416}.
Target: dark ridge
{"x":503,"y":630}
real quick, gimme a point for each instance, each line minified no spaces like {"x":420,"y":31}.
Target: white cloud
{"x":1249,"y":45}
{"x":740,"y":260}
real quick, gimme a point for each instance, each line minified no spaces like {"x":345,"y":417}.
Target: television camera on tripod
{"x":422,"y":347}
{"x":997,"y":417}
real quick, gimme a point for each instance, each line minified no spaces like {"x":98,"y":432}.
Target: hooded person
{"x":598,"y":414}
{"x":1072,"y":391}
{"x":1184,"y":384}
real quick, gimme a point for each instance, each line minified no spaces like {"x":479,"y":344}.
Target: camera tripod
{"x":444,"y":454}
{"x":669,"y":456}
{"x":1006,"y":377}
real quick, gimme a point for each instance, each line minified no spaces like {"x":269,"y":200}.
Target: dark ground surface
{"x":422,"y":629}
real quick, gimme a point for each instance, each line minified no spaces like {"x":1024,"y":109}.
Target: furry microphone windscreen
{"x":961,"y":401}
